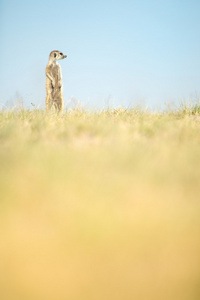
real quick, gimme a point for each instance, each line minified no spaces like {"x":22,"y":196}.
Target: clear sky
{"x":119,"y":52}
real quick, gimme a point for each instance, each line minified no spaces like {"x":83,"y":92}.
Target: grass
{"x":100,"y":205}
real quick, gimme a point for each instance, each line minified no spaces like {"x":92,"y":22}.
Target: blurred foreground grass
{"x":100,"y":206}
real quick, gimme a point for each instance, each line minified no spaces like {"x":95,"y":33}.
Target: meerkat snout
{"x":62,"y":55}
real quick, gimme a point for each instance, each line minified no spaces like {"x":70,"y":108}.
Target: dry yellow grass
{"x":99,"y":206}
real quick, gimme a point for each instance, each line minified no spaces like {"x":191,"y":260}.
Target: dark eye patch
{"x":61,"y":53}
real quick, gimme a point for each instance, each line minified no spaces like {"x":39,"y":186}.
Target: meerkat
{"x":54,"y":88}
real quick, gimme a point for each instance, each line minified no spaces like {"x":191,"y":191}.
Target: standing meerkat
{"x":54,"y":87}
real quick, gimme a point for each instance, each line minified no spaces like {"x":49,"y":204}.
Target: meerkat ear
{"x":55,"y":54}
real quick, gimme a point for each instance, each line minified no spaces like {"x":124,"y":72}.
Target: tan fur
{"x":54,"y":88}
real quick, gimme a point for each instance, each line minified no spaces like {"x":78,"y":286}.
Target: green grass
{"x":100,"y":205}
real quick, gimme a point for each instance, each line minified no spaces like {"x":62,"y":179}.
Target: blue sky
{"x":119,"y":52}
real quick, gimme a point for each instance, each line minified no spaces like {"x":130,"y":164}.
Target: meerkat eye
{"x":55,"y":54}
{"x":61,"y":53}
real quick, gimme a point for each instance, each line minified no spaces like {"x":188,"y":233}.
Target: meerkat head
{"x":56,"y":55}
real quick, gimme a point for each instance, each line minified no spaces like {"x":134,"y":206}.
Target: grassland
{"x":100,"y":205}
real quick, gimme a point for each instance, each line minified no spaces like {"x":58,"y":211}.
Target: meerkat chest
{"x":55,"y":70}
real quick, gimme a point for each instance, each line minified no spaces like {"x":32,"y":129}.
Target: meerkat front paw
{"x":52,"y":85}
